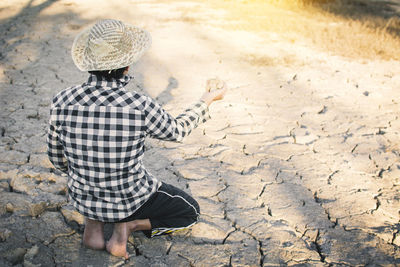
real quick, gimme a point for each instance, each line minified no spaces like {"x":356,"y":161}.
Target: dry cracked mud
{"x":299,"y":165}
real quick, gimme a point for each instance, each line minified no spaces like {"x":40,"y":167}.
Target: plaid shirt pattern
{"x":96,"y":135}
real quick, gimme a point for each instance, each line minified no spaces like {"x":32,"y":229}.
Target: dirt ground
{"x":299,"y":165}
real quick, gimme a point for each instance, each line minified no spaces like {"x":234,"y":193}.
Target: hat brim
{"x":86,"y":62}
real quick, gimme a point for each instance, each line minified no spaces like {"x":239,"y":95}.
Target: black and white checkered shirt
{"x":96,"y":136}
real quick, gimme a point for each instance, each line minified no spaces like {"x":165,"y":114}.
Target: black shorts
{"x":169,"y":210}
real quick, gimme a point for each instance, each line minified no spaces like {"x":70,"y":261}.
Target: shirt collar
{"x":98,"y":81}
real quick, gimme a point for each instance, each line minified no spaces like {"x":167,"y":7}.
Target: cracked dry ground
{"x":299,"y":165}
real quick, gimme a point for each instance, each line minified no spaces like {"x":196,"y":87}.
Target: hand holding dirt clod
{"x":215,"y":84}
{"x":215,"y":90}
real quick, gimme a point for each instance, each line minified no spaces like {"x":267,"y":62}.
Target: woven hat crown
{"x":107,"y":38}
{"x":109,"y":44}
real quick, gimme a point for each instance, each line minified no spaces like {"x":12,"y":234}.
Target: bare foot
{"x":93,"y":235}
{"x":117,"y":244}
{"x":116,"y":249}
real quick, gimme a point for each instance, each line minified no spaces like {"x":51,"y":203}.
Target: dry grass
{"x":350,"y":28}
{"x":264,"y":60}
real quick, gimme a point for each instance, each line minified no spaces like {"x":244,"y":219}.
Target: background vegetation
{"x":351,"y":28}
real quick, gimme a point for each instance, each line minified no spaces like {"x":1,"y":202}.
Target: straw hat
{"x":108,"y":45}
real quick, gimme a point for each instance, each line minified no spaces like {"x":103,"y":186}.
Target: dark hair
{"x":109,"y":74}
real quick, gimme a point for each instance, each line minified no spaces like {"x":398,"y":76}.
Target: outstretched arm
{"x":161,"y":125}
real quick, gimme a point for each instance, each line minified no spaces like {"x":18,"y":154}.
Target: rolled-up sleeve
{"x":55,"y":150}
{"x":161,"y":125}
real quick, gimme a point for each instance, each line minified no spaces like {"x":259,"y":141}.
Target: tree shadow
{"x":30,"y":68}
{"x":18,"y":25}
{"x":368,"y":12}
{"x":360,"y":9}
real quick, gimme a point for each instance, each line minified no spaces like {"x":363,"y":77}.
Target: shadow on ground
{"x":367,"y":11}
